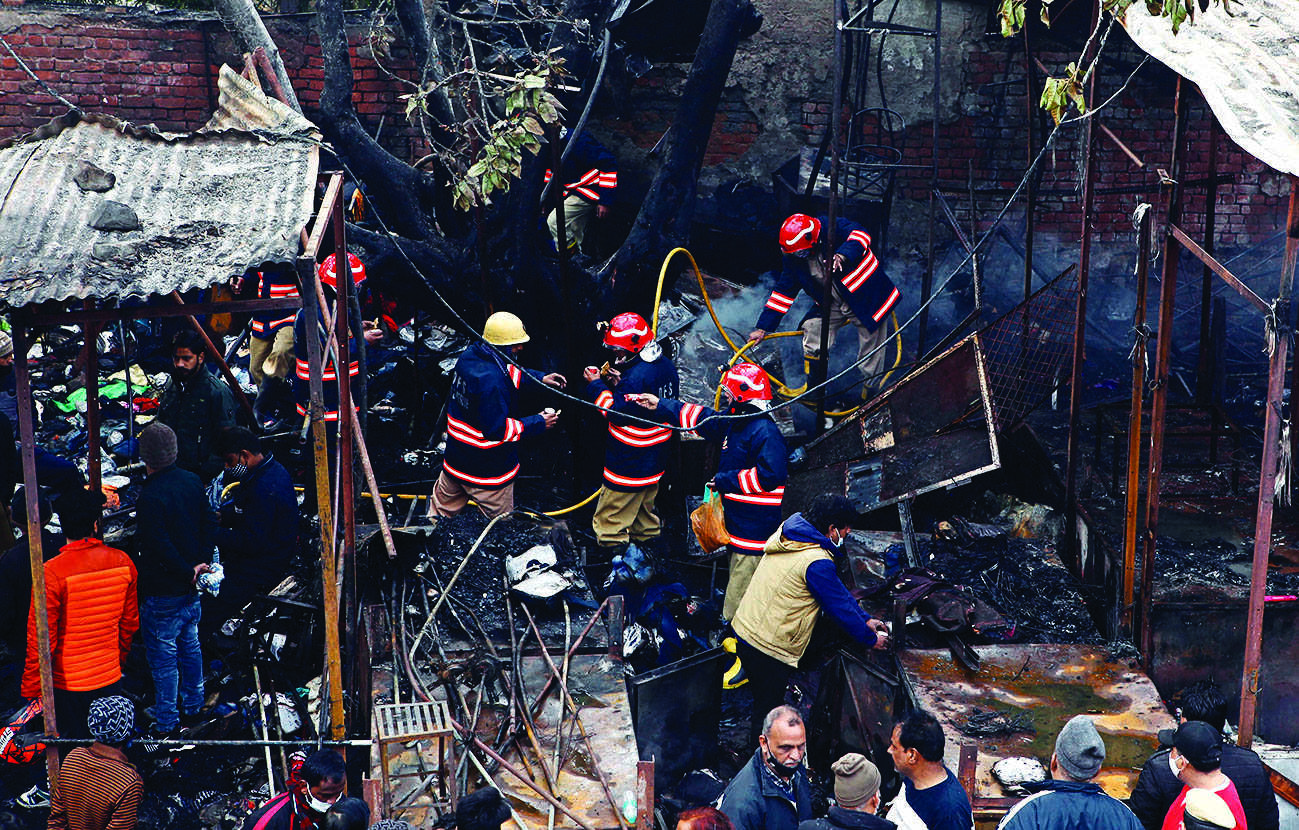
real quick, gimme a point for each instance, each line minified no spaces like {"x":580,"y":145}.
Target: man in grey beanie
{"x":173,"y":545}
{"x":856,"y":797}
{"x":1071,"y":798}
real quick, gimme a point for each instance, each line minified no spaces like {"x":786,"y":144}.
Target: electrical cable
{"x":934,"y":295}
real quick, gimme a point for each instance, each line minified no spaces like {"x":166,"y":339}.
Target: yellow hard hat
{"x":504,"y":329}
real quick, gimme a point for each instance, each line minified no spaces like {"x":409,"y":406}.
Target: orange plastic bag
{"x":708,"y":523}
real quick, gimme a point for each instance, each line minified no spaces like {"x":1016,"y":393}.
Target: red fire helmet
{"x":747,"y":382}
{"x":328,"y":272}
{"x":799,"y":233}
{"x":628,"y":331}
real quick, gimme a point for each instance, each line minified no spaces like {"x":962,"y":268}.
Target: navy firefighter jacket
{"x":863,"y":286}
{"x":481,"y":431}
{"x":635,"y":452}
{"x":328,"y":373}
{"x":751,"y":472}
{"x":273,"y":285}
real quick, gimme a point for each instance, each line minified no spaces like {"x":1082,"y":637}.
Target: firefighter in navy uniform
{"x":480,"y":461}
{"x":863,"y":294}
{"x":590,"y":179}
{"x":270,"y":345}
{"x":635,"y":453}
{"x":751,"y":471}
{"x":327,"y":272}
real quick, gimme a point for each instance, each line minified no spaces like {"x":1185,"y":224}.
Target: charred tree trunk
{"x":396,"y":190}
{"x":241,"y":18}
{"x":665,"y":215}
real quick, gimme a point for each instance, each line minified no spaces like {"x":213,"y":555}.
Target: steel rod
{"x":1159,"y":398}
{"x":31,"y":494}
{"x":90,"y":367}
{"x":1212,"y":264}
{"x":1139,"y":356}
{"x":1249,"y":680}
{"x":149,"y":312}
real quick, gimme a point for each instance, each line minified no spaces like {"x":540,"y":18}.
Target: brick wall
{"x":148,"y":69}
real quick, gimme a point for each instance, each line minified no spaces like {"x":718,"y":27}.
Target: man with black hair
{"x":483,"y":809}
{"x":772,"y":791}
{"x":258,"y":533}
{"x":90,"y":594}
{"x":794,"y":582}
{"x":347,"y":814}
{"x":1158,"y":786}
{"x":1071,"y":798}
{"x":196,"y":406}
{"x":931,"y":796}
{"x":314,"y":787}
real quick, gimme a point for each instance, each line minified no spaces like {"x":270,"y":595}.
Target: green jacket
{"x":197,"y":410}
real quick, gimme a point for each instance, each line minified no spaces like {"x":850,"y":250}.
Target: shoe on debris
{"x":33,"y":798}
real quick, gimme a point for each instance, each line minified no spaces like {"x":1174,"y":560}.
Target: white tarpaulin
{"x":1246,"y":63}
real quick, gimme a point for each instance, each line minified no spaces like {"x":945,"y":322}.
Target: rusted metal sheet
{"x":1044,"y":685}
{"x":931,"y":430}
{"x":210,"y":206}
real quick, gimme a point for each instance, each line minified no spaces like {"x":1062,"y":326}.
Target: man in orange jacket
{"x":90,"y":592}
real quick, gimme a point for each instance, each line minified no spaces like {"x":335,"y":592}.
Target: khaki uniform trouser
{"x":742,"y":567}
{"x":872,"y":370}
{"x":577,"y":215}
{"x":621,"y":517}
{"x":451,"y":495}
{"x":273,"y":356}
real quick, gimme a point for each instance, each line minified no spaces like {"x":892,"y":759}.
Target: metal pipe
{"x":1134,"y":418}
{"x":1159,"y":398}
{"x":346,"y":414}
{"x":513,"y":770}
{"x":261,"y":712}
{"x":829,"y":236}
{"x":1031,"y":103}
{"x":1249,"y":688}
{"x":126,"y":375}
{"x":31,"y":493}
{"x":577,"y":719}
{"x":927,"y":279}
{"x":545,"y":689}
{"x":1080,"y":320}
{"x":90,"y":376}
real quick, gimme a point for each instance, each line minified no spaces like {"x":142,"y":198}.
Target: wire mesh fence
{"x":1028,"y":349}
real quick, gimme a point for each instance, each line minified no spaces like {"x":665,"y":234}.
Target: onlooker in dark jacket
{"x":174,"y":544}
{"x":258,"y":532}
{"x":98,"y":789}
{"x":856,"y":797}
{"x":931,"y":798}
{"x":90,"y":597}
{"x":1159,"y":786}
{"x":772,"y":791}
{"x":16,"y":573}
{"x":1070,"y":799}
{"x":196,"y":406}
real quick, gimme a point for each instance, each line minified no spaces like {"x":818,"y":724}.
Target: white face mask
{"x":1172,"y":765}
{"x":316,"y":805}
{"x":837,"y":542}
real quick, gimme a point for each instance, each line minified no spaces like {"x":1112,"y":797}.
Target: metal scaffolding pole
{"x":1279,"y":323}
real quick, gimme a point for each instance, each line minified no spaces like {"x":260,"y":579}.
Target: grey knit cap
{"x":1079,"y":749}
{"x":157,"y":446}
{"x":111,"y":720}
{"x":856,"y":779}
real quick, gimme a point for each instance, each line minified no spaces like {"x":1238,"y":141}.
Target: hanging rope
{"x":1281,"y":489}
{"x":1140,"y":337}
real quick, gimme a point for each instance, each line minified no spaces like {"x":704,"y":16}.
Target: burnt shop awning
{"x":199,"y":208}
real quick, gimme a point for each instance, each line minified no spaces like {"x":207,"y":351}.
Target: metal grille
{"x":1027,"y":350}
{"x":412,"y":720}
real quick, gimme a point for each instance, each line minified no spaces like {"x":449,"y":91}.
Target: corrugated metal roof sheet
{"x":243,"y":105}
{"x":1246,"y":63}
{"x":211,"y":205}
